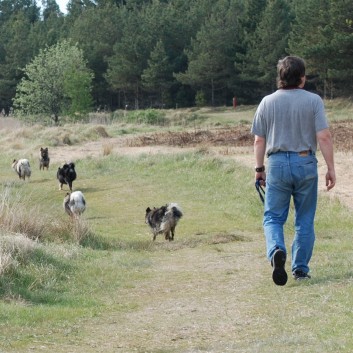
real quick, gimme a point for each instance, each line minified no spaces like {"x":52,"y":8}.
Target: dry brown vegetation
{"x":342,"y":133}
{"x":236,"y":136}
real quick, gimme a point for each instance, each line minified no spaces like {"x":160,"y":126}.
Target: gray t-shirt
{"x":289,"y":119}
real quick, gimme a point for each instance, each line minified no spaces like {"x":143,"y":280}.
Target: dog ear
{"x":148,"y":210}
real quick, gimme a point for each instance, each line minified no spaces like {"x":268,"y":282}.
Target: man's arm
{"x":259,"y":150}
{"x":326,"y":146}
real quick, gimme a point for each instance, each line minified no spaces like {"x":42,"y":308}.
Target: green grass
{"x":210,"y":290}
{"x":217,"y":197}
{"x":339,"y":109}
{"x":118,"y":190}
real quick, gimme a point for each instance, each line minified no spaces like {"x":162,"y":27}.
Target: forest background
{"x":181,"y":53}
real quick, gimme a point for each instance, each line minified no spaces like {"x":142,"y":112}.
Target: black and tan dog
{"x":66,"y":175}
{"x":44,"y":159}
{"x":163,"y":220}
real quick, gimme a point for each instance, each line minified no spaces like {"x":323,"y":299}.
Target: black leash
{"x":260,"y":190}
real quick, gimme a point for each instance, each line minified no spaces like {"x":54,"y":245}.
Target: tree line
{"x":170,"y":53}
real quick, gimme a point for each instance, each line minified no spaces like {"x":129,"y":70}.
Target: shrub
{"x":148,"y":117}
{"x":200,"y":99}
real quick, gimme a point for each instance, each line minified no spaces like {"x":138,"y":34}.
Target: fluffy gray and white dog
{"x":74,"y":204}
{"x":163,"y":220}
{"x":22,"y":168}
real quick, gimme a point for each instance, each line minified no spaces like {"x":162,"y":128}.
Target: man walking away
{"x":288,"y":125}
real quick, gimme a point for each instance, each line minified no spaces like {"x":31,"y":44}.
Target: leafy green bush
{"x":148,"y":116}
{"x":200,"y":99}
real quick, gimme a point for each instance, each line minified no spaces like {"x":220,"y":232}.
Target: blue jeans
{"x":291,"y":174}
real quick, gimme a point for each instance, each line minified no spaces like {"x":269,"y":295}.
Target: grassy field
{"x":117,"y":291}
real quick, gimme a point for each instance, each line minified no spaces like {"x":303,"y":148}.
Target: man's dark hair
{"x":290,"y":71}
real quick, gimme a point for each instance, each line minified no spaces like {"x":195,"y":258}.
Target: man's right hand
{"x":330,"y":179}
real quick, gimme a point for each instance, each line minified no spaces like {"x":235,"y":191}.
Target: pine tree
{"x":129,"y":59}
{"x":272,"y":41}
{"x":311,"y":38}
{"x":341,"y":68}
{"x":157,"y":77}
{"x":265,"y":46}
{"x":96,"y":31}
{"x":246,"y":63}
{"x":212,"y":53}
{"x":16,"y":51}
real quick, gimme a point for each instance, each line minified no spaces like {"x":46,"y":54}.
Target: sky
{"x":62,"y":4}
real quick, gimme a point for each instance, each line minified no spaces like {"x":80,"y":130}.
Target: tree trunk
{"x":212,"y":92}
{"x":55,"y":117}
{"x":137,"y":96}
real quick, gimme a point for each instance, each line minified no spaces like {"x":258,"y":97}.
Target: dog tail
{"x":175,"y":209}
{"x":27,"y":168}
{"x":171,"y":216}
{"x":23,"y":168}
{"x":75,"y":203}
{"x":77,"y":200}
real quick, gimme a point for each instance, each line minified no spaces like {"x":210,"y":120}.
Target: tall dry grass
{"x":80,"y":230}
{"x":15,"y":249}
{"x":26,"y":229}
{"x":18,"y":215}
{"x":107,"y":149}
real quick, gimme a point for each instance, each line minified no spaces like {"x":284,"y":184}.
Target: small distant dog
{"x":66,"y":175}
{"x":163,"y":220}
{"x":22,"y":168}
{"x":74,"y":204}
{"x":44,"y":158}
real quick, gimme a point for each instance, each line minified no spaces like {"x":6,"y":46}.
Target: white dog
{"x":74,"y":204}
{"x":22,"y":168}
